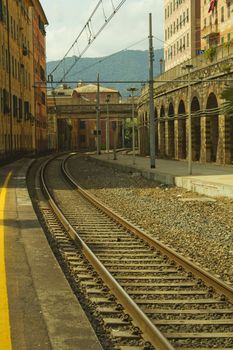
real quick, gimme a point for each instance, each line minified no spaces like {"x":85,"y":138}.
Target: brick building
{"x":70,"y":130}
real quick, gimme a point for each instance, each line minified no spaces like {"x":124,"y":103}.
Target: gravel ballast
{"x":198,"y":227}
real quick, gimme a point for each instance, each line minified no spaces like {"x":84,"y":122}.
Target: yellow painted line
{"x":5,"y":336}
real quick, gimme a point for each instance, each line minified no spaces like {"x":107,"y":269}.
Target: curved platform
{"x":209,"y":179}
{"x":38,"y":309}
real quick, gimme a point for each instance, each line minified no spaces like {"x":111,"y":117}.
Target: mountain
{"x":126,"y":65}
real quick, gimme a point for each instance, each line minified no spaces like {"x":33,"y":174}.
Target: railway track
{"x":144,"y":294}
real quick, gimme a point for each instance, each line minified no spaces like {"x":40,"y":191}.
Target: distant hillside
{"x":127,"y":65}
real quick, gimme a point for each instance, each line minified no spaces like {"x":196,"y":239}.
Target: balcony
{"x":210,"y":31}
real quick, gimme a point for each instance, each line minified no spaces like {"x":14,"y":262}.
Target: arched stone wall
{"x":182,"y":144}
{"x":171,"y":131}
{"x":162,"y":131}
{"x":196,"y":129}
{"x":212,"y":131}
{"x":212,"y":128}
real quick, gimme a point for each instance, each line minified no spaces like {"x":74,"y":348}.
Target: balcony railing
{"x":210,"y":30}
{"x":222,"y":52}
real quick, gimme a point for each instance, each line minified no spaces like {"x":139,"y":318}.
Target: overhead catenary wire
{"x":92,"y":36}
{"x":107,"y":57}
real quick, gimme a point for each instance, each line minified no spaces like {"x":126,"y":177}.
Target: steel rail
{"x":209,"y":279}
{"x":150,"y":332}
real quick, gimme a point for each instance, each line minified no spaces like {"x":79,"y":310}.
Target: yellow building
{"x":17,"y":108}
{"x":216,"y":23}
{"x":181,"y":31}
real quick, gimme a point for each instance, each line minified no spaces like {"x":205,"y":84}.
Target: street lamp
{"x":107,"y":100}
{"x":189,"y":67}
{"x":132,"y":90}
{"x":161,"y":65}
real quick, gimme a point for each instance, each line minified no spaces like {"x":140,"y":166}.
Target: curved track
{"x":172,"y":302}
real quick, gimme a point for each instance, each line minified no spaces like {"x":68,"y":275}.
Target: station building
{"x":72,"y":116}
{"x":19,"y":23}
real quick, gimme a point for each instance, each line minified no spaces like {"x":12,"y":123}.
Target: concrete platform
{"x":38,"y":309}
{"x":208,"y":179}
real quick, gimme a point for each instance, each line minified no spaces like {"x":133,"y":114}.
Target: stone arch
{"x":212,"y":127}
{"x":182,"y":153}
{"x":171,"y":131}
{"x":196,"y":129}
{"x":162,"y":131}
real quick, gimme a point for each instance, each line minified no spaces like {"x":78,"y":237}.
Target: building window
{"x":42,"y":74}
{"x":228,"y":37}
{"x":82,"y":138}
{"x":184,"y":18}
{"x":43,"y":98}
{"x":222,"y":40}
{"x":82,"y":124}
{"x":20,"y":108}
{"x":187,"y":15}
{"x":188,"y":40}
{"x":222,"y":14}
{"x":26,"y":110}
{"x":6,"y":108}
{"x":15,"y":106}
{"x":228,"y":10}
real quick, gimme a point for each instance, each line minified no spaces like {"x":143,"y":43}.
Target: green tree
{"x":227,"y":95}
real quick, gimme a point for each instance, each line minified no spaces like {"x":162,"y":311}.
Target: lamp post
{"x":132,"y":90}
{"x":98,"y":131}
{"x":189,"y":67}
{"x":151,"y":95}
{"x":107,"y":100}
{"x":161,"y":65}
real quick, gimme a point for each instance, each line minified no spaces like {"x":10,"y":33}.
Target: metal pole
{"x":190,"y":126}
{"x":123,"y":133}
{"x":133,"y":136}
{"x":98,"y":116}
{"x":107,"y":127}
{"x":151,"y":96}
{"x":114,"y":140}
{"x":132,"y":90}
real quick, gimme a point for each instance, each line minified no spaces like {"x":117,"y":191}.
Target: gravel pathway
{"x":198,"y":227}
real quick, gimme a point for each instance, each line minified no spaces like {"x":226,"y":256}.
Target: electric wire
{"x":107,"y":57}
{"x":91,"y":37}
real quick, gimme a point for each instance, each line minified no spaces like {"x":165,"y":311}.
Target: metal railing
{"x":221,"y":52}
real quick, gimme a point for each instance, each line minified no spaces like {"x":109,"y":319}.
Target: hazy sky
{"x":130,"y":25}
